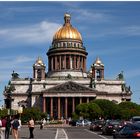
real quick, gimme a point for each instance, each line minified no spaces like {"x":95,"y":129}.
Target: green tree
{"x":94,"y":111}
{"x":88,"y":110}
{"x":75,"y":116}
{"x":129,"y":109}
{"x":31,"y":112}
{"x":82,"y":110}
{"x":109,"y":108}
{"x":3,"y":112}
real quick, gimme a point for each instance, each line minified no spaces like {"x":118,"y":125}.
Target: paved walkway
{"x":48,"y":132}
{"x":58,"y":125}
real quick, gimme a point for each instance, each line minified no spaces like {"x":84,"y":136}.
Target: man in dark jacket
{"x":8,"y":127}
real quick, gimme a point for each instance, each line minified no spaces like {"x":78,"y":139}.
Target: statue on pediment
{"x":15,"y":75}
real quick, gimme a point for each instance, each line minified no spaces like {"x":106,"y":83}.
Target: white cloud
{"x":132,"y":30}
{"x":20,"y":64}
{"x":88,"y":15}
{"x":10,"y":62}
{"x":22,"y":59}
{"x":38,"y":33}
{"x":92,"y":16}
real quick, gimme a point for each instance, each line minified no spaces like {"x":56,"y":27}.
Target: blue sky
{"x":110,"y":30}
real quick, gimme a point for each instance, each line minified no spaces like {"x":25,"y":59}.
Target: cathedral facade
{"x":66,"y":82}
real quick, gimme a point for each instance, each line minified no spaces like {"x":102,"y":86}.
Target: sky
{"x":110,"y":30}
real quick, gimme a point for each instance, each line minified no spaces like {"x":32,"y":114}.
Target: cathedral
{"x":66,"y":83}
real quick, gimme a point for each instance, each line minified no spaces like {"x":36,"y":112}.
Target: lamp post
{"x":20,"y":110}
{"x":8,"y":102}
{"x":8,"y":93}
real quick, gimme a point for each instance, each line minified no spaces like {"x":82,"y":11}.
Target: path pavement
{"x":48,"y":132}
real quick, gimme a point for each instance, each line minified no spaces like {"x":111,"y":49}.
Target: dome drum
{"x":67,"y":62}
{"x":79,"y":51}
{"x":67,"y":43}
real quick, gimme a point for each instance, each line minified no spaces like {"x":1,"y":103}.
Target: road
{"x":62,"y":133}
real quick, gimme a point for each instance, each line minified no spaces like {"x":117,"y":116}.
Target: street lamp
{"x":8,"y":93}
{"x":20,"y":110}
{"x":8,"y":102}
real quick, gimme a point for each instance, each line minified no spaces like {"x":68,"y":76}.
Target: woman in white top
{"x":31,"y":126}
{"x":19,"y":127}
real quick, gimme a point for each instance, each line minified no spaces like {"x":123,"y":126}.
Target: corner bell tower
{"x":39,"y":70}
{"x":98,"y":69}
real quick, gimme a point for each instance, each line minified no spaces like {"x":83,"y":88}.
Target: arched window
{"x":62,"y":62}
{"x":39,"y":75}
{"x":67,"y":62}
{"x":98,"y":74}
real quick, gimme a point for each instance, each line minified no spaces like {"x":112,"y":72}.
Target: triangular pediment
{"x":70,"y":87}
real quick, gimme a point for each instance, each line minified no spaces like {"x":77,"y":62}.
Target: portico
{"x":62,"y":100}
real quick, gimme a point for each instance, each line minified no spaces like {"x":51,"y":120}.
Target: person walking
{"x":19,"y":127}
{"x":0,"y":127}
{"x":31,"y":126}
{"x":8,"y":127}
{"x":42,"y":123}
{"x":3,"y":121}
{"x":15,"y":125}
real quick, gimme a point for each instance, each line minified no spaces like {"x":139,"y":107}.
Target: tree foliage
{"x":35,"y":113}
{"x":89,"y":110}
{"x":110,"y":109}
{"x":94,"y":111}
{"x":3,"y":112}
{"x":107,"y":109}
{"x":82,"y":110}
{"x":129,"y":109}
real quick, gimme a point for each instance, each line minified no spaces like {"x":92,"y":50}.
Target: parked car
{"x":97,"y":125}
{"x":135,"y":119}
{"x":111,"y":126}
{"x":84,"y":122}
{"x":130,"y":130}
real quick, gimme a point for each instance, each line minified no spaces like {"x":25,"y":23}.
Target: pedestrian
{"x":0,"y":127}
{"x":43,"y":122}
{"x":19,"y":127}
{"x":82,"y":122}
{"x":31,"y":126}
{"x":15,"y":125}
{"x":3,"y":127}
{"x":8,"y":127}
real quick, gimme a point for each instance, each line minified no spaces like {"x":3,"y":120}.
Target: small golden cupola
{"x":98,"y":62}
{"x":67,"y":35}
{"x":39,"y":70}
{"x":39,"y":61}
{"x":98,"y":69}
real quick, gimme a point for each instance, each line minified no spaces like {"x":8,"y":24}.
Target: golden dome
{"x":39,"y":61}
{"x":98,"y":62}
{"x":67,"y":31}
